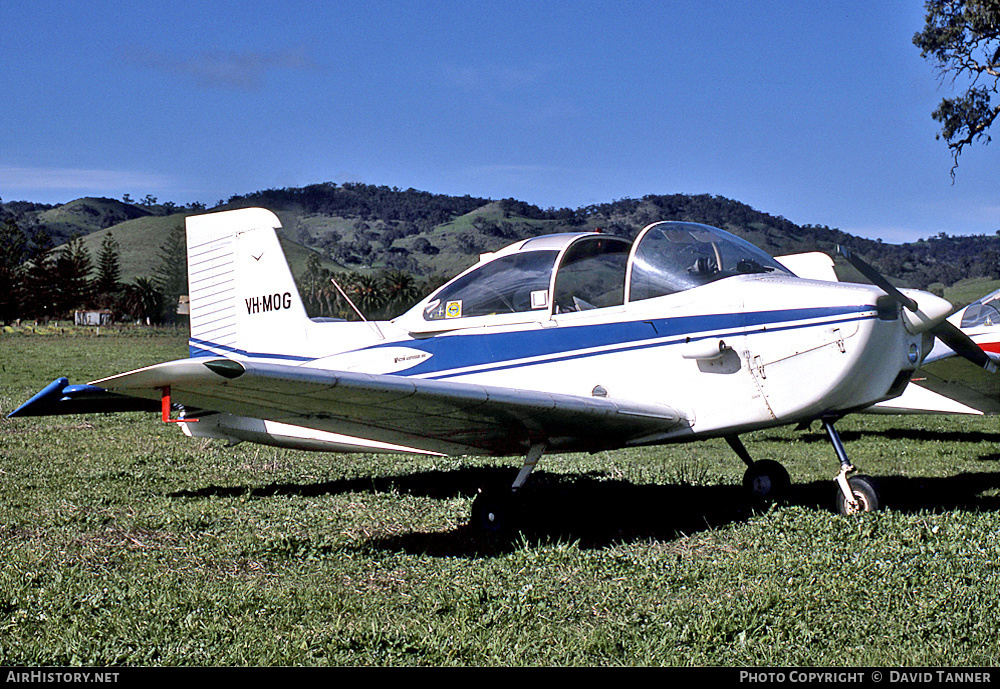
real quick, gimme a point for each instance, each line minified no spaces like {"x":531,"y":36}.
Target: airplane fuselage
{"x":828,"y":349}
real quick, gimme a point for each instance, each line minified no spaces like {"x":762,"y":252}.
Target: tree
{"x":366,"y":292}
{"x":962,"y":37}
{"x":109,"y":271}
{"x":399,"y":290}
{"x":40,"y":301}
{"x":13,"y":245}
{"x":317,"y":292}
{"x":171,"y":272}
{"x":73,"y":266}
{"x":143,"y":300}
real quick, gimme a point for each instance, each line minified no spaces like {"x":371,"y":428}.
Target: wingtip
{"x":41,"y":400}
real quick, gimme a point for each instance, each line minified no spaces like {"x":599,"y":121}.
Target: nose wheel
{"x":767,"y":481}
{"x":855,"y":494}
{"x":864,"y":496}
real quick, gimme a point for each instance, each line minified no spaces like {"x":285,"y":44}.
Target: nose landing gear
{"x":856,"y":494}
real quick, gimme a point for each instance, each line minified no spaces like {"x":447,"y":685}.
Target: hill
{"x":140,"y":240}
{"x":87,"y":215}
{"x":365,"y":227}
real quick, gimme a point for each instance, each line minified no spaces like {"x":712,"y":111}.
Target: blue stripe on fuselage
{"x":201,"y":348}
{"x":454,"y":354}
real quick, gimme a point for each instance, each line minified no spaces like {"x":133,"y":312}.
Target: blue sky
{"x":816,"y":112}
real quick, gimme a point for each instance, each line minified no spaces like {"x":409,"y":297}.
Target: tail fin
{"x":244,"y":302}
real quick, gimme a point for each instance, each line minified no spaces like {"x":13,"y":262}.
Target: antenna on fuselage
{"x":340,"y":289}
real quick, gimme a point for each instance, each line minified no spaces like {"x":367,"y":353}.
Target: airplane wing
{"x":435,"y":416}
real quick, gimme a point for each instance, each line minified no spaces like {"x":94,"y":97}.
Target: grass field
{"x":125,"y":543}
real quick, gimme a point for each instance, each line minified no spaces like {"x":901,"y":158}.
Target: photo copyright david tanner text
{"x":887,"y":676}
{"x":61,"y":677}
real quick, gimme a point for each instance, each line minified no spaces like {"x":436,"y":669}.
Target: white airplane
{"x":980,"y":320}
{"x":558,"y":343}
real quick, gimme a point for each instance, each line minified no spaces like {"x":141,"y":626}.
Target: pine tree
{"x":73,"y":267}
{"x":171,"y":277}
{"x":40,"y":297}
{"x":109,"y":270}
{"x":13,"y":246}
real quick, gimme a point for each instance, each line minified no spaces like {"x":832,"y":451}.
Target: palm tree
{"x":400,"y":292}
{"x":143,"y":300}
{"x":366,"y":293}
{"x":312,"y":283}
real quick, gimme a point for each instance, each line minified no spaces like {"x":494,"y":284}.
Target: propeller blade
{"x":877,"y":278}
{"x":963,"y":345}
{"x":945,"y":331}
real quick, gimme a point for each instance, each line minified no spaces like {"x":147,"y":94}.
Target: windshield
{"x":986,"y":311}
{"x":509,"y":284}
{"x":671,"y":257}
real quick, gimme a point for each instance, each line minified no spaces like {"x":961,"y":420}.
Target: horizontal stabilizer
{"x":949,"y":386}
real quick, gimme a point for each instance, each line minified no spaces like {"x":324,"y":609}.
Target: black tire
{"x":493,"y":513}
{"x":865,"y":493}
{"x":767,"y":482}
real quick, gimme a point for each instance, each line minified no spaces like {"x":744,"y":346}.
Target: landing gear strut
{"x":765,"y":480}
{"x":856,"y":493}
{"x":494,"y":511}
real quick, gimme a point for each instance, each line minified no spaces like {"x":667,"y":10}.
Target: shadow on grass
{"x":596,"y":511}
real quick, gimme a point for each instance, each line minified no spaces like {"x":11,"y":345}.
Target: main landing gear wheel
{"x":865,"y":496}
{"x":767,"y":481}
{"x":493,"y":513}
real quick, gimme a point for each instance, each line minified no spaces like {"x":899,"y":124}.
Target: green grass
{"x":967,"y":291}
{"x":124,"y":542}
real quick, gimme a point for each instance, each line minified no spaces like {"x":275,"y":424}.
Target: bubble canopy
{"x":565,"y":273}
{"x":672,"y":257}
